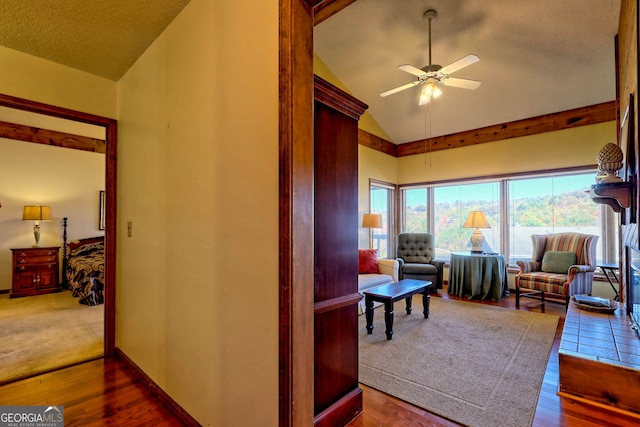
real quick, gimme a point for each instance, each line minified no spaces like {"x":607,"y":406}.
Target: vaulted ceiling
{"x":536,"y":57}
{"x":101,"y":37}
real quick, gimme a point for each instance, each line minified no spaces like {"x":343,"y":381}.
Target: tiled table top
{"x":606,"y":338}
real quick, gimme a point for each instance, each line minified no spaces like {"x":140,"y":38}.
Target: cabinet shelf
{"x":615,"y":194}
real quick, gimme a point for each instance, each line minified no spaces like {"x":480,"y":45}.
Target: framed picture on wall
{"x":101,"y":219}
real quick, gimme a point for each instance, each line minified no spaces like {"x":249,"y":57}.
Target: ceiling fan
{"x":432,"y":76}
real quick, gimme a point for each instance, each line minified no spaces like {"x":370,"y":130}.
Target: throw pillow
{"x":558,"y":261}
{"x":368,"y":261}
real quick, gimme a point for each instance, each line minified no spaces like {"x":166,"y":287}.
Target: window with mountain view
{"x":515,"y":208}
{"x":452,"y":207}
{"x":550,"y":205}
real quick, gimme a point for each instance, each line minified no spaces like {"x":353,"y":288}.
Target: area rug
{"x":45,"y":332}
{"x":475,"y":364}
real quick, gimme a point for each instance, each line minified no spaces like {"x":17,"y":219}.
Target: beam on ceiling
{"x":568,"y":119}
{"x":328,"y":8}
{"x":51,"y":137}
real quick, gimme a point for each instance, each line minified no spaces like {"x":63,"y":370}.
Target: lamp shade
{"x":372,"y":221}
{"x":476,"y":219}
{"x":36,"y":213}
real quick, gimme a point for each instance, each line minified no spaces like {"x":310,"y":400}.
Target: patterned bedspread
{"x":85,"y":273}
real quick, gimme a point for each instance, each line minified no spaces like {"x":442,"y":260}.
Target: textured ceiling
{"x":536,"y":57}
{"x":102,"y":37}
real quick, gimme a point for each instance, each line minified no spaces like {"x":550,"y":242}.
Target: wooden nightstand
{"x":35,"y":271}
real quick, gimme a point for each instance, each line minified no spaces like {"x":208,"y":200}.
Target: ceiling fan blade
{"x":462,"y":83}
{"x":398,"y":89}
{"x":412,"y":70}
{"x":459,"y":64}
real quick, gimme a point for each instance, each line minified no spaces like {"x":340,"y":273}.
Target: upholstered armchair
{"x":562,"y":264}
{"x":415,"y":255}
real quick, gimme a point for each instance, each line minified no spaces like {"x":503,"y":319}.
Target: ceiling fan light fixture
{"x":429,"y":91}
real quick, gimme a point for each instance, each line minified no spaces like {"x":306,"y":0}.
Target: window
{"x":452,"y":205}
{"x":552,"y":204}
{"x":381,"y":199}
{"x":515,"y":207}
{"x":415,"y":218}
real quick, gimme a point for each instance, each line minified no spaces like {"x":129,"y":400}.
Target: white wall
{"x":36,"y":79}
{"x":197,"y":284}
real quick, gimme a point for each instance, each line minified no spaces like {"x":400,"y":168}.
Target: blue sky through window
{"x":528,"y":187}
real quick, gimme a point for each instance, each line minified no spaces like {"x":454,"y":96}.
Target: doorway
{"x":110,"y":132}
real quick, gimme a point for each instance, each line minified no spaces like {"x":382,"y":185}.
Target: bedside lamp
{"x":371,"y":221}
{"x":37,"y":214}
{"x":476,"y":220}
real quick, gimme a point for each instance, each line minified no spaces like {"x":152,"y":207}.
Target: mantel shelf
{"x":616,"y":194}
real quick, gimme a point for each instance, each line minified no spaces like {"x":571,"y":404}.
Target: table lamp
{"x":476,"y":220}
{"x":37,"y":214}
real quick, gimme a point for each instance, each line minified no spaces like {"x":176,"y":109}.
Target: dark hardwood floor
{"x":103,"y":392}
{"x":97,"y":393}
{"x":381,"y":409}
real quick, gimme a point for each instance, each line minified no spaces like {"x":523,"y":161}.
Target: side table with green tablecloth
{"x":478,"y":276}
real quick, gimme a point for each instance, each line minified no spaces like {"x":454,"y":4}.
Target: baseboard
{"x":342,"y":411}
{"x":155,"y":389}
{"x":5,"y":291}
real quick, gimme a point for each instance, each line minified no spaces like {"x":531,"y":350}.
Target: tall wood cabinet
{"x":35,"y":271}
{"x":337,"y":396}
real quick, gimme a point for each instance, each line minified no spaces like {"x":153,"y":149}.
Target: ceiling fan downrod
{"x":430,"y":16}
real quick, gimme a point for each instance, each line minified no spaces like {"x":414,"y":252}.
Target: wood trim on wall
{"x":372,"y":141}
{"x":583,"y":116}
{"x":110,"y":126}
{"x":157,"y":391}
{"x":296,"y":332}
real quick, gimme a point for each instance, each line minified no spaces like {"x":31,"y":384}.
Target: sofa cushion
{"x":368,"y":261}
{"x":366,"y":281}
{"x":558,"y":261}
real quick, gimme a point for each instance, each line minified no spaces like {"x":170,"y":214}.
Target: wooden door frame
{"x":296,"y":334}
{"x":111,"y":131}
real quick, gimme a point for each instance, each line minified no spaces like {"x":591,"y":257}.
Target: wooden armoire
{"x":337,"y":396}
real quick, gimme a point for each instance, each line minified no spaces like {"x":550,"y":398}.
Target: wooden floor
{"x":97,"y":393}
{"x":104,"y":392}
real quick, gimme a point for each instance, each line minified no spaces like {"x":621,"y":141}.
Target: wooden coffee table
{"x":390,"y":293}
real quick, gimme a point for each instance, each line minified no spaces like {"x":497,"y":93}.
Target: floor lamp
{"x":371,"y":221}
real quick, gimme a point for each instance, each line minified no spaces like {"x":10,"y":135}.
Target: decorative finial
{"x":609,"y":163}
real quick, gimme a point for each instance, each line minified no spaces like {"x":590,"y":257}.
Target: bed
{"x":83,"y":266}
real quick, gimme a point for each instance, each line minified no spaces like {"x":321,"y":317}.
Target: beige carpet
{"x":475,"y":364}
{"x":45,"y":332}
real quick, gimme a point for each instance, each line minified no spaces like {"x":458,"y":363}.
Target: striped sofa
{"x":577,"y":280}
